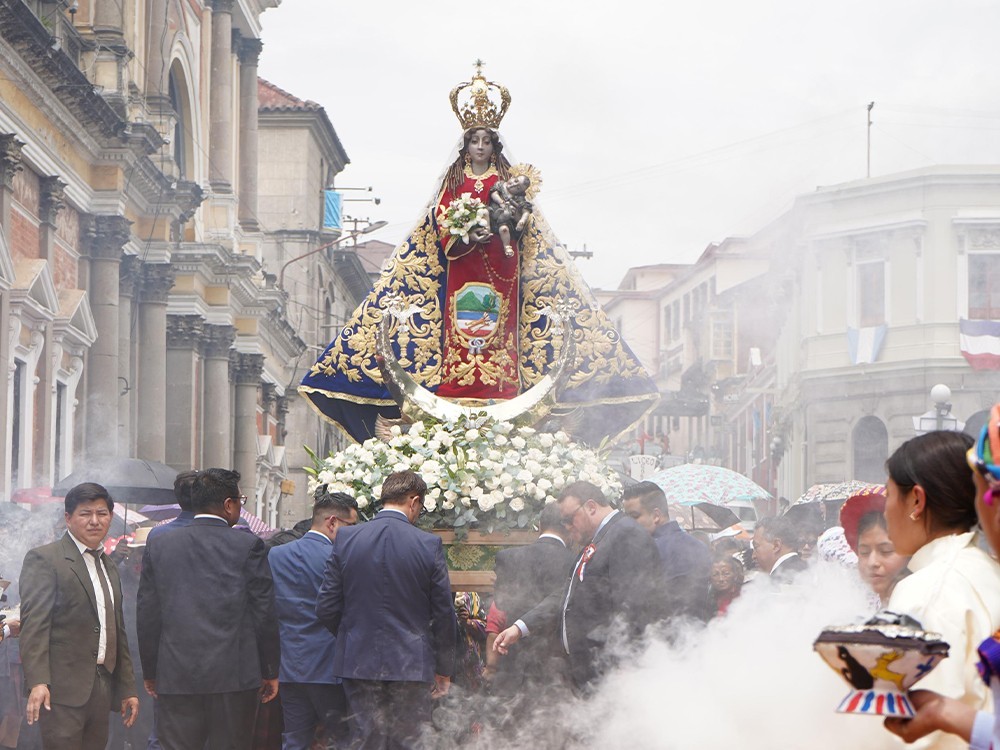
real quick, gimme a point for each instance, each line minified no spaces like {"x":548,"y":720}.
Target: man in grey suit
{"x":387,"y":598}
{"x":73,"y":643}
{"x":208,"y":635}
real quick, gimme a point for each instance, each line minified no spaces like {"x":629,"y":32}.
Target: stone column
{"x":51,"y":199}
{"x":109,"y":235}
{"x":184,"y":337}
{"x":151,"y":380}
{"x":156,"y":74}
{"x":283,"y":406}
{"x":245,"y":371}
{"x":220,"y":168}
{"x":10,"y":164}
{"x":249,"y":54}
{"x":129,"y":277}
{"x":218,"y":421}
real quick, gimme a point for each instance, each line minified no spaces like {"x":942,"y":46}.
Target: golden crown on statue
{"x":477,"y":109}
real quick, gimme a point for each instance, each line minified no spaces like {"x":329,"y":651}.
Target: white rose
{"x":430,"y":504}
{"x":518,"y":442}
{"x":523,"y":476}
{"x":434,"y":445}
{"x":494,"y":455}
{"x":362,"y":502}
{"x":450,"y":496}
{"x":500,"y":440}
{"x":417,"y":427}
{"x":504,"y":427}
{"x":377,"y":491}
{"x":545,"y":440}
{"x":395,"y":430}
{"x":326,"y":477}
{"x":471,"y":435}
{"x":544,"y":484}
{"x":506,"y":479}
{"x":517,"y":505}
{"x":448,"y":504}
{"x":467,"y":502}
{"x":446,"y":440}
{"x":486,"y":503}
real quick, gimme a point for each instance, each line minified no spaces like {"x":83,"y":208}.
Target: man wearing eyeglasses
{"x":311,"y":695}
{"x":614,"y":584}
{"x":387,"y":598}
{"x":208,"y":635}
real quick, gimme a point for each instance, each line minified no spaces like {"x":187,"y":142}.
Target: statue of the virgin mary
{"x":474,"y":323}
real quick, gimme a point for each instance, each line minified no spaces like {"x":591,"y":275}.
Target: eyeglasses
{"x":567,"y":521}
{"x":242,"y":499}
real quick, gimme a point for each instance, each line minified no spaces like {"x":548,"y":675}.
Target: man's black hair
{"x":85,"y":493}
{"x":212,"y":487}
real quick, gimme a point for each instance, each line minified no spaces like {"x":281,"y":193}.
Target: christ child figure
{"x":509,"y":210}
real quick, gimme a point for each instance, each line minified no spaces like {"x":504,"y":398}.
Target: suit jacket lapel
{"x":79,"y":566}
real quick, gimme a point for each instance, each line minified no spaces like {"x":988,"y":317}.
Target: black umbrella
{"x":129,"y":480}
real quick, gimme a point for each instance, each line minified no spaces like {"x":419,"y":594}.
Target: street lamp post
{"x":940,"y":417}
{"x":352,"y":235}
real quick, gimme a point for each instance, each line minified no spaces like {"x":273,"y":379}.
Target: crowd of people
{"x":346,"y":634}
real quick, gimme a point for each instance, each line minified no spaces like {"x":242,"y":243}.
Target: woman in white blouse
{"x":954,"y":586}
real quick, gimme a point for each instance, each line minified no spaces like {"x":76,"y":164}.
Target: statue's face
{"x":481,"y":146}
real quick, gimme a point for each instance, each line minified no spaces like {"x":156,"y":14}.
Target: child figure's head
{"x":519,"y":185}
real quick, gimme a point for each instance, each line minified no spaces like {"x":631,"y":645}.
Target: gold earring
{"x":913,"y":516}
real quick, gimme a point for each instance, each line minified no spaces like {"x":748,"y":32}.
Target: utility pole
{"x":868,"y":165}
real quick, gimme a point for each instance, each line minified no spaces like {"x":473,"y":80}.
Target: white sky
{"x":658,"y":127}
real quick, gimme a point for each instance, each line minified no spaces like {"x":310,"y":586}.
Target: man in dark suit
{"x":311,"y":695}
{"x":524,"y":577}
{"x":208,"y":635}
{"x":614,"y":587}
{"x":73,"y":643}
{"x":387,"y":598}
{"x":774,"y":543}
{"x":687,"y":563}
{"x":183,"y":487}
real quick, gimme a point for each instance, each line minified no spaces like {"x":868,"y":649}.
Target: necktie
{"x":110,"y":625}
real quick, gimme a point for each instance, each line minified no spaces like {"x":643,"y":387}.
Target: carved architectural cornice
{"x":157,"y":280}
{"x":105,"y":235}
{"x":222,"y":6}
{"x":10,"y":159}
{"x":247,"y":49}
{"x":129,"y":275}
{"x":245,"y":368}
{"x":268,"y":393}
{"x":217,"y":341}
{"x":51,"y":198}
{"x":185,"y":331}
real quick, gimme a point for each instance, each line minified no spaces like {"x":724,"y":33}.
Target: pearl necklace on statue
{"x":490,"y":172}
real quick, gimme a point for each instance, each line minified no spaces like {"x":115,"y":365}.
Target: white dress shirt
{"x":91,"y":563}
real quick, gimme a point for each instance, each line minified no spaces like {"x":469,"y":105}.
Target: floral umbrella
{"x":834,"y":491}
{"x":690,"y":484}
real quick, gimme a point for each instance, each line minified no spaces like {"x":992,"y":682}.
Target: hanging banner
{"x":332,"y":209}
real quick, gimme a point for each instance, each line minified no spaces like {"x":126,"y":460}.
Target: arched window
{"x":871,"y":449}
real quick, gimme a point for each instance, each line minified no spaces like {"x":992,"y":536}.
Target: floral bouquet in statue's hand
{"x":479,"y":472}
{"x":464,"y":214}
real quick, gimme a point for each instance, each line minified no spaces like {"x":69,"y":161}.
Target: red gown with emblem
{"x":481,"y":309}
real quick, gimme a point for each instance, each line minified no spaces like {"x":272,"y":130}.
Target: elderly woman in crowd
{"x":726,"y":582}
{"x":954,"y":586}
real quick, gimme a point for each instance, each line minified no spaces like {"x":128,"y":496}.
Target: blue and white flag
{"x":332,"y":209}
{"x":865,"y":344}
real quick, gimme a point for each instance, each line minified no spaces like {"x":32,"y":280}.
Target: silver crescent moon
{"x":417,"y":403}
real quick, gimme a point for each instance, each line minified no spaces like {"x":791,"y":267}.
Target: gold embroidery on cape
{"x":547,"y":276}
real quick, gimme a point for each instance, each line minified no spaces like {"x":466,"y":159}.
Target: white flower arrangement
{"x":475,"y":476}
{"x":463,"y":214}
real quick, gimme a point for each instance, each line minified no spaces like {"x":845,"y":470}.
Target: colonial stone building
{"x":300,"y":157}
{"x":802,"y":353}
{"x":139,"y":308}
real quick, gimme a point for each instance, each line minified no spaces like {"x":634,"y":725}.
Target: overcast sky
{"x":658,"y":127}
